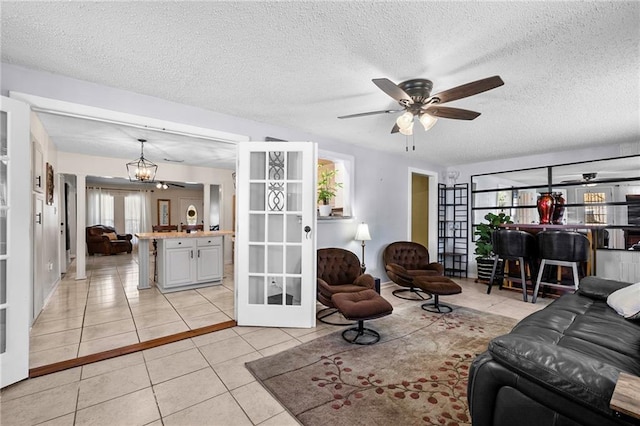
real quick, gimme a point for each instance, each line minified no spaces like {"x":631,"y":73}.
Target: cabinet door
{"x":179,"y":266}
{"x":209,"y":260}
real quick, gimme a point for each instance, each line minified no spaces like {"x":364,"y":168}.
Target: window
{"x":100,"y":207}
{"x":132,"y":214}
{"x":343,"y":165}
{"x":595,"y":214}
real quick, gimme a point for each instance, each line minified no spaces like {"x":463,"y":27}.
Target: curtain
{"x":137,"y":214}
{"x":100,"y":207}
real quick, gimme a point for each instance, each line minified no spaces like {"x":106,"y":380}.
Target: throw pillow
{"x":112,"y":235}
{"x":626,"y":301}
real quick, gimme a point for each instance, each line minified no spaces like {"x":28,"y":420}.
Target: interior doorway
{"x":420,"y":209}
{"x":422,"y":225}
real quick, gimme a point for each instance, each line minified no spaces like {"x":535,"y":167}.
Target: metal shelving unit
{"x":453,"y":231}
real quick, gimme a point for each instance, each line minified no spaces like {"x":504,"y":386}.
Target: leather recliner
{"x":405,"y":260}
{"x":102,"y":239}
{"x":339,"y":271}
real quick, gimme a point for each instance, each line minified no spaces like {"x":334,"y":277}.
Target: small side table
{"x":625,"y":395}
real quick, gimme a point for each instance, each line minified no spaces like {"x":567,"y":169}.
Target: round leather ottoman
{"x":438,"y":286}
{"x":361,"y":306}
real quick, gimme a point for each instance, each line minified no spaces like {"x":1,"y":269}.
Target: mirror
{"x":602,"y":194}
{"x":192,"y":215}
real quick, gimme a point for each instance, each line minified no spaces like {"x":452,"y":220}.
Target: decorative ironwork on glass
{"x":276,"y":165}
{"x":276,"y":197}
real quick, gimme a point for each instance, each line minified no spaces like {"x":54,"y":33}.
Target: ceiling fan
{"x":166,"y":185}
{"x":414,"y":96}
{"x":588,"y":179}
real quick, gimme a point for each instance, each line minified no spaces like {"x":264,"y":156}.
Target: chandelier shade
{"x":141,"y":170}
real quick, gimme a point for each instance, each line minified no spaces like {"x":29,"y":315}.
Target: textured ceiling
{"x":571,"y":69}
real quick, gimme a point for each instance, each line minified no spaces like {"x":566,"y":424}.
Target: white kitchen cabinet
{"x":185,"y":263}
{"x":209,"y":259}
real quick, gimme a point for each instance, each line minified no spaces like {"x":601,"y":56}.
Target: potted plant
{"x":484,"y":249}
{"x":327,"y":190}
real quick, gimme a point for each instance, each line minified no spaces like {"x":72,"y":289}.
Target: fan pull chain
{"x":406,"y":143}
{"x":413,"y":140}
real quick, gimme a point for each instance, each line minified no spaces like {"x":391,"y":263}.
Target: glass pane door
{"x":15,"y":241}
{"x":276,"y":255}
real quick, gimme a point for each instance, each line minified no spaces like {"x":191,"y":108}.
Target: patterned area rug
{"x":416,"y":374}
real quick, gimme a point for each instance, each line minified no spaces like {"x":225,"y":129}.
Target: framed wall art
{"x":164,"y":212}
{"x":49,"y":184}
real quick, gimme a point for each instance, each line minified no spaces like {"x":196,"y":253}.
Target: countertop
{"x":170,"y":235}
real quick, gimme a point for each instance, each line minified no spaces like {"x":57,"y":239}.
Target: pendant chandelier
{"x":141,"y":170}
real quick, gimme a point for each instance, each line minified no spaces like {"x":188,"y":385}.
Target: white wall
{"x":381,"y":184}
{"x":47,"y":271}
{"x":78,"y":164}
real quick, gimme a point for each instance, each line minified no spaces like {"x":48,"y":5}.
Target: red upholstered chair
{"x":339,"y":271}
{"x":405,"y":260}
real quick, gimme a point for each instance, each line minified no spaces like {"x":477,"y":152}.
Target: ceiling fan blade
{"x":392,"y":89}
{"x":469,"y":89}
{"x":363,"y":114}
{"x":455,"y":113}
{"x":395,"y":129}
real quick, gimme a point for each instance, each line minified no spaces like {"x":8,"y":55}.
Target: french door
{"x":275,"y":272}
{"x":15,"y":241}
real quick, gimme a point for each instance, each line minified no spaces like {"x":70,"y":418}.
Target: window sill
{"x":334,"y":218}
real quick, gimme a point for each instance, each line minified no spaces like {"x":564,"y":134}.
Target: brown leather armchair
{"x":405,"y":260}
{"x":104,"y":239}
{"x":339,"y":271}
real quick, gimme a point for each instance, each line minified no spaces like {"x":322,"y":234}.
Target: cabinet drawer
{"x":207,"y":242}
{"x":171,"y":243}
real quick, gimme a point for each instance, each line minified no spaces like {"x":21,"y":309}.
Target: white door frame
{"x":56,"y":106}
{"x":433,"y":207}
{"x":14,"y":361}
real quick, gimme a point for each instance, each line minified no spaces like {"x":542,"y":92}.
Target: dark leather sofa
{"x":102,"y":239}
{"x":558,"y":366}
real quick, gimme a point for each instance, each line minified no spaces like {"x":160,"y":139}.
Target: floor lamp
{"x":362,"y":234}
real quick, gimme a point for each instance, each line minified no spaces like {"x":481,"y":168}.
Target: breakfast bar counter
{"x":185,"y":260}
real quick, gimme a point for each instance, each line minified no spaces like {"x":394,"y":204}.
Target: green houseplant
{"x":484,"y":249}
{"x":327,"y":187}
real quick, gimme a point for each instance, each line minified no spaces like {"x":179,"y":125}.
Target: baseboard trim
{"x":101,"y":356}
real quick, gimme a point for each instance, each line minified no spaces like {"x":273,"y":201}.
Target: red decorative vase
{"x":545,"y":207}
{"x":558,"y":208}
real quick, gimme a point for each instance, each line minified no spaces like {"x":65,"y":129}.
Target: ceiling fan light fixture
{"x":405,"y":121}
{"x":428,"y":121}
{"x":141,"y":170}
{"x":408,"y":131}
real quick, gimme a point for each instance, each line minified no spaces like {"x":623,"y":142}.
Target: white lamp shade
{"x":405,"y":120}
{"x":427,"y":121}
{"x":362,"y":233}
{"x":407,"y":131}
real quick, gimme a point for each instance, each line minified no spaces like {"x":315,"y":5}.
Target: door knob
{"x":307,"y":229}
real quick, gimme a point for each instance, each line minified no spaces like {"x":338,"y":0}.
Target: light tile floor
{"x":107,"y":311}
{"x":195,"y":381}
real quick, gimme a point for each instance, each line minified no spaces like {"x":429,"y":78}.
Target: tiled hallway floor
{"x":198,"y":381}
{"x":107,"y":311}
